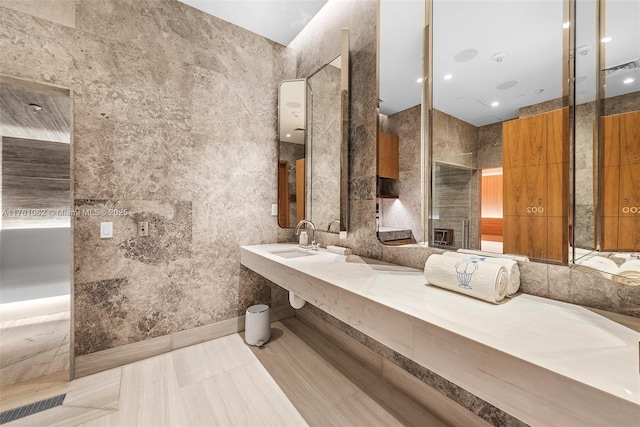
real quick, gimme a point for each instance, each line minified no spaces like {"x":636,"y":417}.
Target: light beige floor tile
{"x":202,"y":361}
{"x":16,"y":395}
{"x":24,"y":338}
{"x":60,"y":416}
{"x":245,"y":396}
{"x":344,"y":362}
{"x":431,"y":399}
{"x":405,"y":410}
{"x":289,"y":351}
{"x":149,"y":393}
{"x":98,"y":391}
{"x":362,"y":410}
{"x":44,"y":363}
{"x":363,"y":354}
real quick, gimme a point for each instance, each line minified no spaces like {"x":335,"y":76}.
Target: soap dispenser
{"x":304,"y":238}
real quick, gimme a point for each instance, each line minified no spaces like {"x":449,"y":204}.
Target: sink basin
{"x":293,"y":253}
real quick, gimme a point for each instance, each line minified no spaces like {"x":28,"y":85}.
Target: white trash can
{"x":257,"y":325}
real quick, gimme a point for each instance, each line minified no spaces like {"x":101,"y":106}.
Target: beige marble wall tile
{"x":174,"y":120}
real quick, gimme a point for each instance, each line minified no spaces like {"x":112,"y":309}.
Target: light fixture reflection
{"x":448,"y":77}
{"x":606,"y":39}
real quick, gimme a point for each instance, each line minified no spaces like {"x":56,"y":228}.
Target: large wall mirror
{"x":532,"y":134}
{"x":36,"y":239}
{"x":401,"y":31}
{"x":499,"y":129}
{"x":313,"y":146}
{"x":607,"y":138}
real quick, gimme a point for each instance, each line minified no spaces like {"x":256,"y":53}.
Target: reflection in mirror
{"x":399,"y":156}
{"x":35,"y":231}
{"x":499,"y":131}
{"x":313,"y":134}
{"x":608,"y":139}
{"x":292,"y":120}
{"x":325,"y":148}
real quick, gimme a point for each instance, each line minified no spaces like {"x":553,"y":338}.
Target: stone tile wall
{"x":174,"y":123}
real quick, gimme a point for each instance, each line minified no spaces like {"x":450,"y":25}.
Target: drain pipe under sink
{"x":295,"y":301}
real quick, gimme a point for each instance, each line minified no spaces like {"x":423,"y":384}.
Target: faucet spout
{"x":331,"y":223}
{"x":314,"y":244}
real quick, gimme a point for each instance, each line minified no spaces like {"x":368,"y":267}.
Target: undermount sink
{"x":293,"y":253}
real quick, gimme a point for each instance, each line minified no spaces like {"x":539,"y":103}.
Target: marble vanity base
{"x":413,"y":379}
{"x":122,"y":355}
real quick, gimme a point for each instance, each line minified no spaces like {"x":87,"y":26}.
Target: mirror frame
{"x":344,"y":135}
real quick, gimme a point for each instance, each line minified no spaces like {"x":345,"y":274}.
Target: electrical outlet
{"x":274,"y":209}
{"x":143,"y":228}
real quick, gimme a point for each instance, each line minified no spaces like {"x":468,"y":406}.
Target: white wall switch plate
{"x":343,"y":235}
{"x":274,"y":209}
{"x":106,"y":230}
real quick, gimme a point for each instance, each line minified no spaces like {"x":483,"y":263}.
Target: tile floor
{"x":33,"y":344}
{"x":298,"y":378}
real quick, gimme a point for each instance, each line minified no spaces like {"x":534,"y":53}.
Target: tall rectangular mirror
{"x":313,"y":146}
{"x":499,"y":129}
{"x":401,"y":31}
{"x":607,"y":139}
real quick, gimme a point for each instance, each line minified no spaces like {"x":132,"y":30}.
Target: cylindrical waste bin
{"x":257,"y":326}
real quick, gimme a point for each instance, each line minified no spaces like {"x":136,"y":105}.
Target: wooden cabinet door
{"x":526,"y":236}
{"x":388,"y":158}
{"x":524,"y":142}
{"x":629,"y":134}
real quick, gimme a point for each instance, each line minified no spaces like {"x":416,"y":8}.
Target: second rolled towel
{"x":511,"y":265}
{"x":470,"y":276}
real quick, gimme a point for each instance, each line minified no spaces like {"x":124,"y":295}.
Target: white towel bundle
{"x":514,"y":257}
{"x":511,"y":265}
{"x":470,"y":276}
{"x":629,"y":273}
{"x":602,"y":265}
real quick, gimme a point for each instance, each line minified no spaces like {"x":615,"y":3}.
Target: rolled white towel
{"x":472,"y":276}
{"x":602,"y":265}
{"x":629,"y":273}
{"x":511,"y":265}
{"x":514,"y":257}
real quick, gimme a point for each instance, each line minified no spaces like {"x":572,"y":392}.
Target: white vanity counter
{"x":543,"y":361}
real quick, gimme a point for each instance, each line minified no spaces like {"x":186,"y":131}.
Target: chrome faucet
{"x":314,"y":244}
{"x":331,"y":223}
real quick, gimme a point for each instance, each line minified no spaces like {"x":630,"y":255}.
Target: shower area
{"x":35,"y":235}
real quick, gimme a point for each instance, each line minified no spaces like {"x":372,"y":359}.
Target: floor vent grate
{"x":23,"y":411}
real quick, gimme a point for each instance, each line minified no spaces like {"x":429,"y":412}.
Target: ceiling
{"x":277,"y":20}
{"x":526,"y":34}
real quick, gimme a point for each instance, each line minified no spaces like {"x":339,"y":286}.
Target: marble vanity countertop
{"x":567,"y":339}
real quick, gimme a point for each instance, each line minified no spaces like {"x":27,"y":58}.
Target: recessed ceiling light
{"x":606,"y":39}
{"x":629,"y":80}
{"x":538,"y":91}
{"x":288,"y":135}
{"x":448,"y":76}
{"x":566,"y":25}
{"x":495,"y":103}
{"x":35,"y":107}
{"x":507,"y":85}
{"x":419,"y":80}
{"x":583,"y":50}
{"x":465,"y":55}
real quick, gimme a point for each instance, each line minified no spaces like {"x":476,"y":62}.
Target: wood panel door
{"x":620,"y":182}
{"x":388,"y":158}
{"x":524,"y":142}
{"x":283,"y":194}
